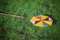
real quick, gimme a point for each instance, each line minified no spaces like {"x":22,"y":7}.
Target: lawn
{"x":13,"y":28}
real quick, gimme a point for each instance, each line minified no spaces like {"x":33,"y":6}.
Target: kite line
{"x":12,"y":15}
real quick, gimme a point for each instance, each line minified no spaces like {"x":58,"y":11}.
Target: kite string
{"x":12,"y":15}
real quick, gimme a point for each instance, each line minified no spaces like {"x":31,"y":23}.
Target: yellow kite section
{"x":44,"y":17}
{"x":35,"y":19}
{"x":49,"y":22}
{"x":39,"y":24}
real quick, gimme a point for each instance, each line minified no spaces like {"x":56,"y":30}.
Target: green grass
{"x":12,"y":28}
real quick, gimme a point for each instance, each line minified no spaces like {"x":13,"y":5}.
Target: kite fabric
{"x":41,"y":20}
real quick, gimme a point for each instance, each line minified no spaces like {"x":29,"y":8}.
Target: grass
{"x":13,"y":28}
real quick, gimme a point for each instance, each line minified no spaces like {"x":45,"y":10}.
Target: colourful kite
{"x":41,"y":20}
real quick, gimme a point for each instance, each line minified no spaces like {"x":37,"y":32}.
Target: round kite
{"x":41,"y":20}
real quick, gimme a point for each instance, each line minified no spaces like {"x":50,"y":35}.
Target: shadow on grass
{"x":3,"y":31}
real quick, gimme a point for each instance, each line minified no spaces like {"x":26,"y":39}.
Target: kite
{"x":41,"y":20}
